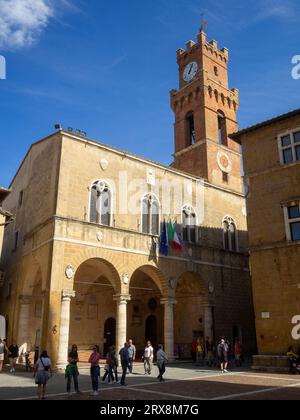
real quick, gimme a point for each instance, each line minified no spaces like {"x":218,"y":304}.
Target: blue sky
{"x":107,"y":67}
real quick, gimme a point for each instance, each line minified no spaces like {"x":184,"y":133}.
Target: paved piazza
{"x":183,"y":383}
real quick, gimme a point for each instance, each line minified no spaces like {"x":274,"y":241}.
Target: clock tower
{"x":205,"y":115}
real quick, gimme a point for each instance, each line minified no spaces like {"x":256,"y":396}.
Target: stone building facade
{"x":81,"y":259}
{"x":272,"y":168}
{"x":5,"y":219}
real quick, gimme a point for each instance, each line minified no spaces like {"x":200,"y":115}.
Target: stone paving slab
{"x":184,"y":382}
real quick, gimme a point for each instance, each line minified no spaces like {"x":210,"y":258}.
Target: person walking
{"x":132,"y":355}
{"x":124,"y":356}
{"x":199,"y":353}
{"x":42,"y":374}
{"x":115,"y":364}
{"x":148,"y":358}
{"x":162,"y":359}
{"x":3,"y":349}
{"x":209,"y":346}
{"x":72,"y":371}
{"x":94,"y":360}
{"x":194,"y":350}
{"x":223,"y":350}
{"x":110,"y":367}
{"x":13,"y":354}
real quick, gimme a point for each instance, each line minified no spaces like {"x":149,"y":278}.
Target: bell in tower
{"x":205,"y":115}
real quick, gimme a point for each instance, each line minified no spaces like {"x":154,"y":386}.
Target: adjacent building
{"x":272,"y":168}
{"x":5,"y":219}
{"x":82,"y":260}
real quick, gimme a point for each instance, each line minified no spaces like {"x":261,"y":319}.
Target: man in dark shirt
{"x":13,"y":354}
{"x":125,"y":360}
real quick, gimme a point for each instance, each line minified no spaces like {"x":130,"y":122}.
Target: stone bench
{"x":270,"y":363}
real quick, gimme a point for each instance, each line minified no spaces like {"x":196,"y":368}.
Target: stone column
{"x":23,"y":338}
{"x":121,"y":338}
{"x":169,"y":326}
{"x":64,"y":330}
{"x":208,"y":322}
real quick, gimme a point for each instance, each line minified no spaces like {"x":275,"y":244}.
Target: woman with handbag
{"x":72,"y":371}
{"x":42,"y":374}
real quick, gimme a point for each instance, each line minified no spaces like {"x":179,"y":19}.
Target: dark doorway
{"x":236,"y":334}
{"x":109,"y":335}
{"x":151,"y":331}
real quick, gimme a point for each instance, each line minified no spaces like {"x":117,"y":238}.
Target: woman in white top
{"x":42,"y":373}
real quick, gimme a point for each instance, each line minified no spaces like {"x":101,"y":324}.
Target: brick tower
{"x":205,"y":115}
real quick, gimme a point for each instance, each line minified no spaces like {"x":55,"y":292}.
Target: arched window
{"x":189,"y":224}
{"x":222,"y":130}
{"x":101,"y":204}
{"x":150,"y":215}
{"x":191,"y":135}
{"x":230,"y":234}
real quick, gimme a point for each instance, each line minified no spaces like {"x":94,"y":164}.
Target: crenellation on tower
{"x":189,"y":45}
{"x":180,"y":52}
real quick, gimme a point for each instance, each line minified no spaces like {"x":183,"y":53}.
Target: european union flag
{"x":164,"y":241}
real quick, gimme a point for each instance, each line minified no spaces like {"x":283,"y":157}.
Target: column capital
{"x":25,"y":300}
{"x":122,"y":298}
{"x":168,"y":301}
{"x":68,"y":294}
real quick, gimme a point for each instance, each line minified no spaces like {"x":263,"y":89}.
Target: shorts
{"x":1,"y":357}
{"x":223,"y":358}
{"x":42,"y":377}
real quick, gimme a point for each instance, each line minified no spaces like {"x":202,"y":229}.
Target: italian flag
{"x":173,"y":237}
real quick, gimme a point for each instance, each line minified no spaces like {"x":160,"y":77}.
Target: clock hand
{"x":191,"y":68}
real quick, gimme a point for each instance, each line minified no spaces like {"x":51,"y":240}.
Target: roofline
{"x":148,"y":161}
{"x":29,"y":150}
{"x":4,"y":192}
{"x":239,"y":134}
{"x":124,"y":154}
{"x":131,"y":155}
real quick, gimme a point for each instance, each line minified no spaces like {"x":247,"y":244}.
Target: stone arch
{"x":33,"y":272}
{"x":157,"y":276}
{"x":96,"y":282}
{"x":191,"y":296}
{"x":147,"y":285}
{"x":109,"y":261}
{"x":31,"y":302}
{"x":193,"y":276}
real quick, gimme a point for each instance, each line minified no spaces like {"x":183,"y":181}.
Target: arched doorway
{"x":145,"y":320}
{"x":93,"y":310}
{"x":109,"y":339}
{"x":151,"y":330}
{"x":189,"y":313}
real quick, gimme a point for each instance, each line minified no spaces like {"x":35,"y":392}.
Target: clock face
{"x":190,"y":71}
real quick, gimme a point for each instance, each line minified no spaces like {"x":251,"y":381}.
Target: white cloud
{"x":276,"y":9}
{"x":22,"y":21}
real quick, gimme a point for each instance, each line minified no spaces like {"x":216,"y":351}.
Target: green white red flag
{"x":173,"y":237}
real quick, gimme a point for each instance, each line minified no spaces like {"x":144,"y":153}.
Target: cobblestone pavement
{"x":183,"y":382}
